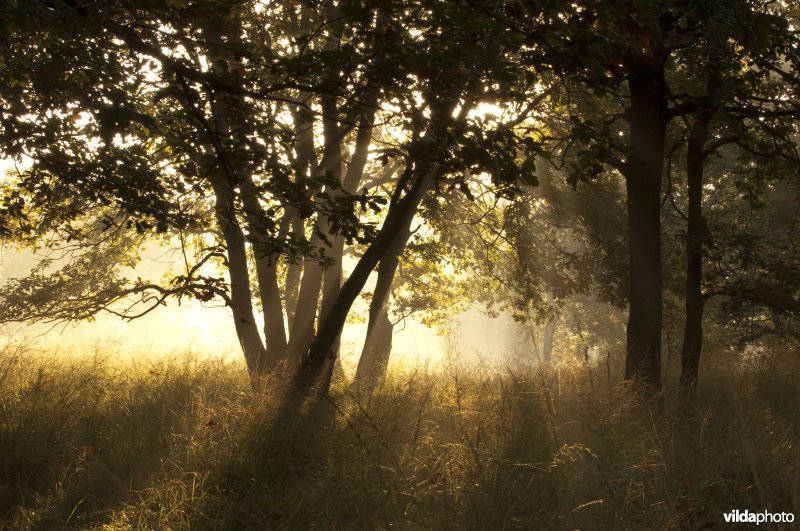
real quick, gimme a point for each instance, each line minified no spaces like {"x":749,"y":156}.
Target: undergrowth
{"x":89,"y":443}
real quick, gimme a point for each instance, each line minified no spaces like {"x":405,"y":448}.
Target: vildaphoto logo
{"x":764,"y":517}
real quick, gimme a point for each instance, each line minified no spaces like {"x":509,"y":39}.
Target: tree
{"x":625,"y":53}
{"x":751,"y":280}
{"x":466,"y":145}
{"x":737,"y":94}
{"x":200,"y":122}
{"x":186,"y":102}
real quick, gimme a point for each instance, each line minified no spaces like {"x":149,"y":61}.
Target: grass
{"x":89,"y":443}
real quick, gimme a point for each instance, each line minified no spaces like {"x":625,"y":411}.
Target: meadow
{"x":87,"y":442}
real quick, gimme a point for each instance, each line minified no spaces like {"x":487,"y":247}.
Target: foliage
{"x":228,"y":130}
{"x":223,"y":130}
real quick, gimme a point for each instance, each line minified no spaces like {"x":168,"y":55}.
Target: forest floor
{"x":90,"y":443}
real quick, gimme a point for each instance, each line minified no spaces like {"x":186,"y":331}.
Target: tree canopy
{"x":266,"y":141}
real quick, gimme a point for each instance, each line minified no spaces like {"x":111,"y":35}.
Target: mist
{"x":399,"y":264}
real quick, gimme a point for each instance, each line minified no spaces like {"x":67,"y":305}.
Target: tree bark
{"x":648,"y":122}
{"x":695,"y":232}
{"x":292,"y":281}
{"x":266,"y":273}
{"x":232,"y":173}
{"x":401,"y":212}
{"x":302,"y":331}
{"x":306,"y":165}
{"x":303,"y":326}
{"x":241,"y":302}
{"x":374,"y":360}
{"x":547,"y":341}
{"x":332,"y":280}
{"x":378,"y":344}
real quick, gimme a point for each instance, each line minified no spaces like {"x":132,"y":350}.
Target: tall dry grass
{"x":184,"y":444}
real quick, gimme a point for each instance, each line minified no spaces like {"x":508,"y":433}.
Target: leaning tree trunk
{"x":693,"y":331}
{"x":648,"y":122}
{"x":378,"y":344}
{"x":401,"y":212}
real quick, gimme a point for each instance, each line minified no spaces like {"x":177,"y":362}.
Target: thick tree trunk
{"x":648,"y":122}
{"x":693,"y":330}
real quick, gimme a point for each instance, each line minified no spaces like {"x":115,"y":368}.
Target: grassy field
{"x":88,"y":442}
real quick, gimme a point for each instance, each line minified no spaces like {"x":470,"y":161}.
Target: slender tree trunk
{"x":241,"y":302}
{"x":401,"y":212}
{"x":378,"y":345}
{"x":375,"y":355}
{"x":332,"y":280}
{"x":422,"y":173}
{"x":648,"y":122}
{"x":232,"y":174}
{"x":292,"y":282}
{"x":274,"y":325}
{"x":306,"y":165}
{"x":693,"y":331}
{"x":302,"y":332}
{"x":547,"y":341}
{"x":266,"y":273}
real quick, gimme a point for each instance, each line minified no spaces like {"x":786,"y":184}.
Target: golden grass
{"x":184,"y":444}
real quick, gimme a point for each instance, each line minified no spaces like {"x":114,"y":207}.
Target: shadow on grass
{"x":535,"y":449}
{"x":188,"y":446}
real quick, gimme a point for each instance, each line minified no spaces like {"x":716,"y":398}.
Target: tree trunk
{"x":376,"y":352}
{"x":378,"y":345}
{"x":306,"y":165}
{"x":241,"y":302}
{"x":693,"y":331}
{"x":292,"y":284}
{"x":401,"y":212}
{"x":332,"y":280}
{"x":302,"y":332}
{"x":547,"y":341}
{"x":233,"y":173}
{"x":266,"y":273}
{"x":648,"y":122}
